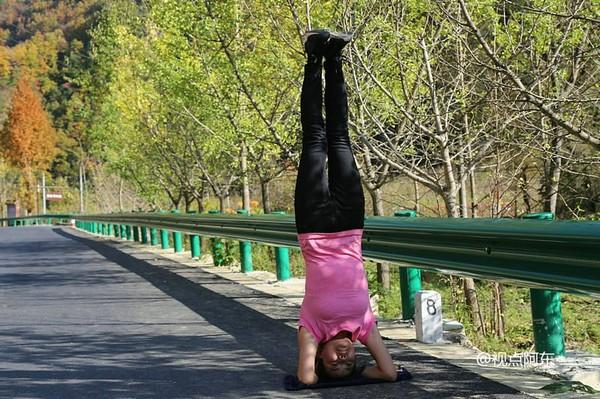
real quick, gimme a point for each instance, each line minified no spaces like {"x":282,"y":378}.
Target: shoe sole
{"x":320,"y":32}
{"x":344,"y":36}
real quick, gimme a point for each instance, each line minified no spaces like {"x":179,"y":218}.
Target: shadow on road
{"x":274,"y":341}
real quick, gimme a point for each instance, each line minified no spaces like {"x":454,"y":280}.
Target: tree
{"x":5,"y":66}
{"x":28,"y":138}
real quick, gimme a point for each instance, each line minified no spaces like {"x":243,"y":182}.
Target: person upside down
{"x":329,"y":208}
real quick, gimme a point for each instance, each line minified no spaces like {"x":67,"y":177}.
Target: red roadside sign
{"x":53,"y":196}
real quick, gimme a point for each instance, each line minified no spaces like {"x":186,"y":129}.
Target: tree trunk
{"x":120,"y":195}
{"x":187,"y":199}
{"x":266,"y":196}
{"x":524,"y":188}
{"x":553,"y":176}
{"x":468,"y":283}
{"x":417,"y":200}
{"x":463,"y":190}
{"x":245,"y":185}
{"x":473,"y":187}
{"x":473,"y":304}
{"x":498,"y":309}
{"x":221,"y":202}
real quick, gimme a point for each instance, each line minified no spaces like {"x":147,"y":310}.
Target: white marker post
{"x":428,"y":317}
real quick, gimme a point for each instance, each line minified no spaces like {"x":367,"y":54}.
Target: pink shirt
{"x":336,"y":293}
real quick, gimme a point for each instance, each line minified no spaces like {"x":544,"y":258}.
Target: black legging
{"x":336,"y":202}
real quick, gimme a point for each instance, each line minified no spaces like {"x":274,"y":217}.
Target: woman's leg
{"x":312,"y":203}
{"x":344,"y":179}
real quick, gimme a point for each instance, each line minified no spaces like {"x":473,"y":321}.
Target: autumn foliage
{"x":28,"y":140}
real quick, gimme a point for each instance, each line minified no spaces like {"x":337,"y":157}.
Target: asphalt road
{"x":81,"y":319}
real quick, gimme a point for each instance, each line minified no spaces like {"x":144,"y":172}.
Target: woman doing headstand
{"x":329,"y":219}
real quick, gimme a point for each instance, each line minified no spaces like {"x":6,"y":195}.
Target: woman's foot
{"x":336,"y":43}
{"x":315,"y":43}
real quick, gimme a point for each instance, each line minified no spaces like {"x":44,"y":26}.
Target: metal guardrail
{"x":549,"y":256}
{"x":34,"y":219}
{"x":560,"y":255}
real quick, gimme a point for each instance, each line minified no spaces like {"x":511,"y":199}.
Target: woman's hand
{"x":307,"y":347}
{"x":385,"y":369}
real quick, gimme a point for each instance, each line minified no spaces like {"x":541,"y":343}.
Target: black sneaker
{"x":336,"y":43}
{"x":315,"y":42}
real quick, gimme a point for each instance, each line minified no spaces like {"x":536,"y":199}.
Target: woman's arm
{"x":385,"y":369}
{"x":307,"y":347}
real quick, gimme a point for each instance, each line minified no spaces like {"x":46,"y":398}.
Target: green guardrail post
{"x":164,"y":239}
{"x":117,"y":230}
{"x":245,"y":250}
{"x":282,"y":259}
{"x":177,"y":238}
{"x":195,"y":247}
{"x":410,"y":279}
{"x":95,"y":227}
{"x":546,"y":312}
{"x":548,"y":329}
{"x":136,"y":233}
{"x":123,"y":229}
{"x":129,"y":232}
{"x":144,"y":234}
{"x":111,"y":230}
{"x":153,"y":236}
{"x":218,"y":246}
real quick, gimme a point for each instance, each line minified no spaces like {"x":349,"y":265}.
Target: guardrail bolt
{"x":245,"y":250}
{"x":282,"y":259}
{"x":410,"y":279}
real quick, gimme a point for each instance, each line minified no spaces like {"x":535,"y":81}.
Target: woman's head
{"x":336,"y":359}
